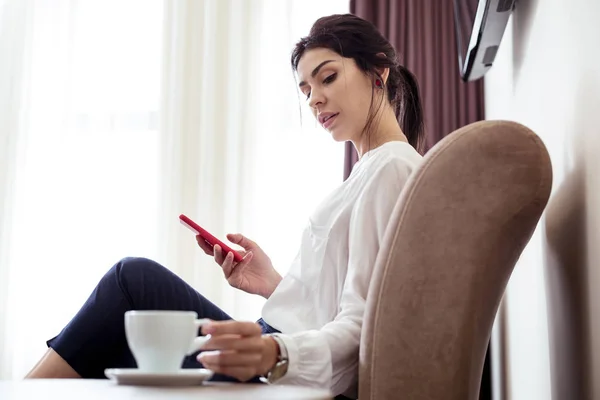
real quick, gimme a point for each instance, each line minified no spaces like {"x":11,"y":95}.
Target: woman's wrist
{"x":270,"y":354}
{"x":272,"y":284}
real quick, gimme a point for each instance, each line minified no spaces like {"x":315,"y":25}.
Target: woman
{"x":310,"y":327}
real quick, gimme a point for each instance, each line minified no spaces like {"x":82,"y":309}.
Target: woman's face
{"x":337,"y":92}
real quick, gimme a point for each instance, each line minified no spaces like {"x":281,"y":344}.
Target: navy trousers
{"x":95,"y":338}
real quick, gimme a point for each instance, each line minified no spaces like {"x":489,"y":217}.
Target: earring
{"x":378,"y":83}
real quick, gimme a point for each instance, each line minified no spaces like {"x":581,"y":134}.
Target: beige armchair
{"x":456,"y":233}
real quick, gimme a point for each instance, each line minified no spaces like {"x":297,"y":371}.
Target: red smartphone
{"x":208,"y":238}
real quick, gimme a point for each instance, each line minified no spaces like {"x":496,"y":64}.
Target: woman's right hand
{"x":254,"y":274}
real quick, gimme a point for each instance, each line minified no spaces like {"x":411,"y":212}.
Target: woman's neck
{"x":386,"y":130}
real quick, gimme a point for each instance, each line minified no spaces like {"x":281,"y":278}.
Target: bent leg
{"x":52,"y":365}
{"x":95,"y":338}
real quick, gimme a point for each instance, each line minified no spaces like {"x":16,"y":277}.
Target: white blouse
{"x":319,"y":304}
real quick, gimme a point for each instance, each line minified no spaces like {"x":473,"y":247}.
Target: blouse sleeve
{"x":328,"y":357}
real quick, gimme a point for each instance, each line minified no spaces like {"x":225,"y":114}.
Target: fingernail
{"x":203,"y":347}
{"x":208,"y":329}
{"x":208,"y":354}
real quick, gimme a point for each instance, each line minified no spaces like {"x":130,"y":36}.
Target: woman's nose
{"x":316,"y":98}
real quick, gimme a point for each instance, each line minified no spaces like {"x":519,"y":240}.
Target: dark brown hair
{"x":356,"y":38}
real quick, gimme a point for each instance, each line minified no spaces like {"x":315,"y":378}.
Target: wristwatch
{"x":281,"y":366}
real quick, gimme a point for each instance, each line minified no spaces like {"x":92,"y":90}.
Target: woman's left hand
{"x":238,"y":349}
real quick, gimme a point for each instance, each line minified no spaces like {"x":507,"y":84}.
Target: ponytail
{"x":409,"y":109}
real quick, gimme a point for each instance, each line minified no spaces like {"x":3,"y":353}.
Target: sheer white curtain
{"x":15,"y":38}
{"x":122,"y":114}
{"x":236,"y":156}
{"x":84,"y":163}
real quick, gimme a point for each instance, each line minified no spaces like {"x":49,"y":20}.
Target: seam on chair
{"x":542,"y":157}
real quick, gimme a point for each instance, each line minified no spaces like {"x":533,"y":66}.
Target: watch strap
{"x":283,"y":354}
{"x":281,"y":366}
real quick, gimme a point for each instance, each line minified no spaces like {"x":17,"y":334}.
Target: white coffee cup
{"x":160,"y":340}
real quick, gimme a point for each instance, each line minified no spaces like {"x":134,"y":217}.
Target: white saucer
{"x":133,"y":376}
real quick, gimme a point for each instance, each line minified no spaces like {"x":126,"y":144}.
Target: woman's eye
{"x":326,"y":81}
{"x":330,"y":78}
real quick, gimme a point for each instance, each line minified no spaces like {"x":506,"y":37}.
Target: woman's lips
{"x":329,"y":121}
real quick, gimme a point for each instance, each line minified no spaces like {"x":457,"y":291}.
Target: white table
{"x":92,"y":389}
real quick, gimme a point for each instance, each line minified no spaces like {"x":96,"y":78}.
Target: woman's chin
{"x":338,"y":136}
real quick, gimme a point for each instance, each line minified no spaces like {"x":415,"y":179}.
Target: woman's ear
{"x":383,"y":72}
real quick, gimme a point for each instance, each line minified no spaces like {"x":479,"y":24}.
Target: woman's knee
{"x":147,"y":284}
{"x":130,"y":270}
{"x":137,"y":278}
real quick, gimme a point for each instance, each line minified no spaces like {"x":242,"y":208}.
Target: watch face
{"x":278,"y":371}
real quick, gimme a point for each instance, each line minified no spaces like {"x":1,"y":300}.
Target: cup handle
{"x":200,"y":340}
{"x":201,"y":321}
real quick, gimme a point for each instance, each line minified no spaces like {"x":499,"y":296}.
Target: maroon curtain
{"x":423,"y":34}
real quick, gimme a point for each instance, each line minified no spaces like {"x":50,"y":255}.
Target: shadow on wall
{"x":566,"y":263}
{"x":522,"y":19}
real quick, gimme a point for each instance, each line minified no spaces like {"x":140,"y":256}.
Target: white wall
{"x":547,"y":76}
